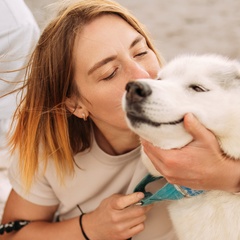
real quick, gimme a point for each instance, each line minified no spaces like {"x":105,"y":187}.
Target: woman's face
{"x":108,"y":54}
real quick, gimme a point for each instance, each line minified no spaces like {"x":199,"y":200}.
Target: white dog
{"x":209,"y":87}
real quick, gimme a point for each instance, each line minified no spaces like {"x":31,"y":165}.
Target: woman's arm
{"x":41,"y":227}
{"x":116,"y":218}
{"x":199,"y":165}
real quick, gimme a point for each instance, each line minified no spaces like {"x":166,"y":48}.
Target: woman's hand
{"x":116,"y":218}
{"x":199,"y":165}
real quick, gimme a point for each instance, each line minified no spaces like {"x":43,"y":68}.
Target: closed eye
{"x":198,"y":88}
{"x":141,"y":54}
{"x":111,"y":75}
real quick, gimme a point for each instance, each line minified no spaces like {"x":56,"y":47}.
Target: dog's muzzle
{"x":137,"y":92}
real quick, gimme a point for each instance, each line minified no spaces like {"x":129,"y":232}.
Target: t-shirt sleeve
{"x":40,"y":193}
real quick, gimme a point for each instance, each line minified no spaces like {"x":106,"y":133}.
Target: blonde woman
{"x":74,"y":154}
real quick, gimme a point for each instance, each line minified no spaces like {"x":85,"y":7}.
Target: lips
{"x":143,"y":119}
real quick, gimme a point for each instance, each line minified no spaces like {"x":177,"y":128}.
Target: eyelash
{"x":141,"y":54}
{"x":111,"y":75}
{"x":114,"y":72}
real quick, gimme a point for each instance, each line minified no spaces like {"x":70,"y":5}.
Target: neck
{"x":116,"y":142}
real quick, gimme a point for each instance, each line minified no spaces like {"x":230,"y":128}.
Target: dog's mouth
{"x":135,"y":120}
{"x":137,"y":94}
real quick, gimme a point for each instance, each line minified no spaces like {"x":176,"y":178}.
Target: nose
{"x":136,"y":70}
{"x":137,"y":91}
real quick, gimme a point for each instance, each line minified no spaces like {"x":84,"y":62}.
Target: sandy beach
{"x":186,"y":26}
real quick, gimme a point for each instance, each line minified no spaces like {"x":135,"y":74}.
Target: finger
{"x":148,"y":147}
{"x":156,"y":154}
{"x":194,"y":127}
{"x":136,"y":211}
{"x":134,"y":231}
{"x":122,"y":202}
{"x":136,"y":222}
{"x":159,"y":157}
{"x":137,"y":229}
{"x":133,"y":221}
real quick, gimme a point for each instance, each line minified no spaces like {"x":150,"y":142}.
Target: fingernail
{"x":191,"y":116}
{"x":140,"y":195}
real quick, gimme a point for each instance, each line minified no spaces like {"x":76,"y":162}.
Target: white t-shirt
{"x":100,"y":176}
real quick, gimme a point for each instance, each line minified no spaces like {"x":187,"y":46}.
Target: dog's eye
{"x":198,"y":88}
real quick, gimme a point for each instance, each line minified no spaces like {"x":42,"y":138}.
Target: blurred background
{"x":178,"y":26}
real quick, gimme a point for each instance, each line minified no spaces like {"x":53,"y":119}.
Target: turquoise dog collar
{"x":167,"y":192}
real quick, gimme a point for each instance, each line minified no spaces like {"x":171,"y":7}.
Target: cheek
{"x":105,"y":98}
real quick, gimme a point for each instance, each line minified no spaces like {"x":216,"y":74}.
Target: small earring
{"x":84,"y":117}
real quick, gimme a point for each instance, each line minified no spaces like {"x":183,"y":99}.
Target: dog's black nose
{"x":137,"y":91}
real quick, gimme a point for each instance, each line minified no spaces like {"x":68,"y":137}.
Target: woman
{"x":74,"y":152}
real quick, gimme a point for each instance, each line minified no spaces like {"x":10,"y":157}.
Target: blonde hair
{"x":44,"y":126}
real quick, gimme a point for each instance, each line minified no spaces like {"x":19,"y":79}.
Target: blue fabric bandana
{"x":167,"y":192}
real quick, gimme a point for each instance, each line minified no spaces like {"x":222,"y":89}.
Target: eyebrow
{"x":111,"y":58}
{"x":101,"y":63}
{"x":136,"y":41}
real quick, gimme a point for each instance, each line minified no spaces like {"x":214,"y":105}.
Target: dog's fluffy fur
{"x":209,"y":87}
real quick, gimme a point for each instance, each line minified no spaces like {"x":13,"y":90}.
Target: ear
{"x":75,"y":109}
